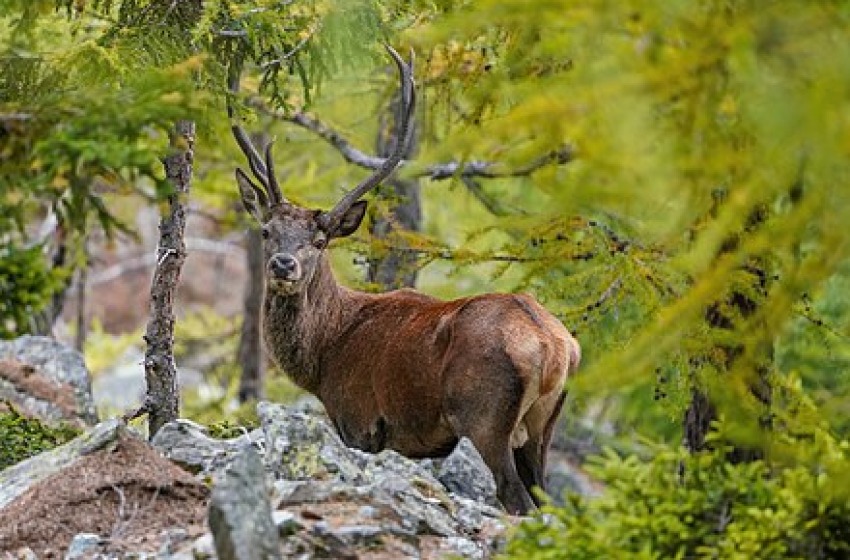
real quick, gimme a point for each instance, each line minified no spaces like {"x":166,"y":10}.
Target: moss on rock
{"x":22,"y":437}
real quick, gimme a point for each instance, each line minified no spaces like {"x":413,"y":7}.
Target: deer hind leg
{"x":531,"y":457}
{"x":486,"y":410}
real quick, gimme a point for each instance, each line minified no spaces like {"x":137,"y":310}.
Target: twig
{"x":493,"y":205}
{"x":288,"y":55}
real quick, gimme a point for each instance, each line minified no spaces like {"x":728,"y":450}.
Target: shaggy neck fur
{"x":299,"y":327}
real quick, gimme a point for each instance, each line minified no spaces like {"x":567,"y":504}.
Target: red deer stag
{"x":403,"y":370}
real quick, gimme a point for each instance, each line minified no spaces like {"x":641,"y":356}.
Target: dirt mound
{"x":128,"y":494}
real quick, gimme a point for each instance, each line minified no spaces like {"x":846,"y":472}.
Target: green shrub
{"x":22,"y":437}
{"x":26,"y":286}
{"x":677,"y":505}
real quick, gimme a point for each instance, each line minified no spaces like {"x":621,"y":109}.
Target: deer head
{"x":294,"y":238}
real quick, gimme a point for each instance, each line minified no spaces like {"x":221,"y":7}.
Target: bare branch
{"x":435,"y":171}
{"x":15,"y":116}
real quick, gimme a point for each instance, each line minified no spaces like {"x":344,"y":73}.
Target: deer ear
{"x":253,"y":198}
{"x":350,"y":221}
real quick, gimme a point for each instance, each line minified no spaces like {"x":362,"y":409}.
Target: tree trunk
{"x":82,"y":288}
{"x":162,"y":401}
{"x":251,"y":355}
{"x":722,"y":315}
{"x":397,"y":267}
{"x":42,"y":322}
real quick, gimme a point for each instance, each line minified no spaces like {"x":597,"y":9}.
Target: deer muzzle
{"x":284,"y":268}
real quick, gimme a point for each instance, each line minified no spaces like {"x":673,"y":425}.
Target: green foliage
{"x":26,"y":286}
{"x":228,"y":429}
{"x":678,"y":505}
{"x":24,"y":437}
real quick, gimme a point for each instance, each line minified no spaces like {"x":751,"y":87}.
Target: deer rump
{"x":414,"y":374}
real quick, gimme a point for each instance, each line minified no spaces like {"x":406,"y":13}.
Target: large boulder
{"x":189,"y":445}
{"x":465,"y":473}
{"x":46,"y":379}
{"x":240,"y":515}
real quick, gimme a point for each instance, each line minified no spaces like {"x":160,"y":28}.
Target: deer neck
{"x":299,"y":327}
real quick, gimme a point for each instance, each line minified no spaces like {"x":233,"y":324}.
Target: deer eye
{"x":320,"y":241}
{"x":265,"y":233}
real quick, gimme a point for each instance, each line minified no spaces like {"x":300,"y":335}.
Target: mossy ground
{"x":23,"y":437}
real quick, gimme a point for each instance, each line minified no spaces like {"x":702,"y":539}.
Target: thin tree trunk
{"x":162,"y":401}
{"x":396,"y":268}
{"x":42,"y":322}
{"x":250,"y":345}
{"x":82,"y":287}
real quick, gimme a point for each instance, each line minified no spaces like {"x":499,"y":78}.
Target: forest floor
{"x":127,"y":491}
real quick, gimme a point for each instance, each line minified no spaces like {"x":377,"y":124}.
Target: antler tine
{"x":408,"y":101}
{"x":272,"y":185}
{"x":263,"y":172}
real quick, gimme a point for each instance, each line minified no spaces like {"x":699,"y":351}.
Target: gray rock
{"x":58,"y":363}
{"x":202,"y":548}
{"x":420,"y":514}
{"x":465,"y":473}
{"x":17,"y":479}
{"x":360,"y":535}
{"x":302,"y":446}
{"x":83,"y":545}
{"x":472,"y":515}
{"x":566,"y":476}
{"x":309,"y":404}
{"x":286,"y":522}
{"x":172,"y":539}
{"x":389,"y":463}
{"x":240,"y":516}
{"x":465,"y":548}
{"x":190,"y":445}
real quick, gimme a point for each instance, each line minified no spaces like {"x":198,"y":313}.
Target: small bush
{"x":678,"y":505}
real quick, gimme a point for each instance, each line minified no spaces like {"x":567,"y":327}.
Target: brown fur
{"x":406,"y":371}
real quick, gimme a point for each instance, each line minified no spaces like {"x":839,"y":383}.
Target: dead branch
{"x":435,"y":172}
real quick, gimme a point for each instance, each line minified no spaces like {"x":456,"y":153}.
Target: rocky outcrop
{"x":329,"y":500}
{"x":45,"y":379}
{"x":290,"y":489}
{"x":189,"y":445}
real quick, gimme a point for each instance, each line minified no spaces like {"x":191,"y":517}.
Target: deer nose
{"x":284,"y":266}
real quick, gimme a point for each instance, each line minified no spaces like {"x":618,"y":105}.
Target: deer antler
{"x":408,"y":104}
{"x":263,"y":171}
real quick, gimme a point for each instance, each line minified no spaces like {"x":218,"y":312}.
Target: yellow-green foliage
{"x":26,"y":285}
{"x":24,"y":437}
{"x":673,"y":504}
{"x":103,"y":350}
{"x":678,"y":505}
